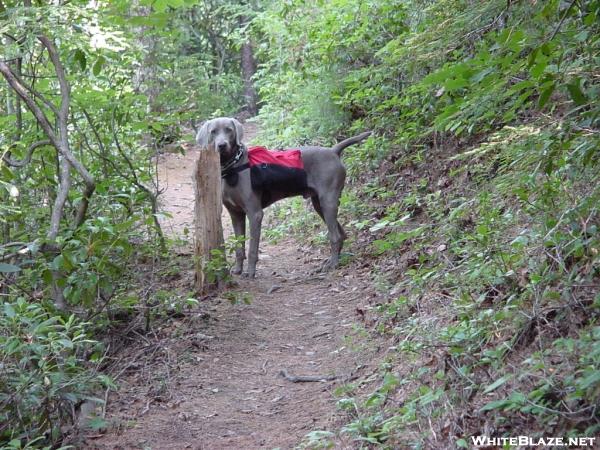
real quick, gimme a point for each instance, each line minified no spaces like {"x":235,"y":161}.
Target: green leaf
{"x":456,"y":83}
{"x":532,"y":57}
{"x":81,"y":59}
{"x":591,"y":379}
{"x":9,"y":310}
{"x":6,"y":173}
{"x":576,"y":93}
{"x":98,"y":65}
{"x":379,"y":225}
{"x":496,"y":384}
{"x":538,"y":69}
{"x":482,"y":229}
{"x":66,"y":343}
{"x":47,"y":276}
{"x":160,"y":5}
{"x":375,"y":400}
{"x":589,"y":19}
{"x":497,"y":404}
{"x":158,"y":19}
{"x":9,"y":268}
{"x":97,"y":423}
{"x":462,"y":443}
{"x":545,"y":95}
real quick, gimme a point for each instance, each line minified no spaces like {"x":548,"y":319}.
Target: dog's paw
{"x":249,"y":275}
{"x":328,"y":265}
{"x":236,"y":271}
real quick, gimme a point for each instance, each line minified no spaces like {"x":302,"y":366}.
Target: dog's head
{"x":224,"y":133}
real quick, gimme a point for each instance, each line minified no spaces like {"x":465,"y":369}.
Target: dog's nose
{"x":222,"y":146}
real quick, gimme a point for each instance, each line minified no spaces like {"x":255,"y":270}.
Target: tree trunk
{"x":248,"y":71}
{"x":145,"y":78}
{"x":209,"y":229}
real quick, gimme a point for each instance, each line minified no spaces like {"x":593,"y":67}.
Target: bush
{"x":44,"y":373}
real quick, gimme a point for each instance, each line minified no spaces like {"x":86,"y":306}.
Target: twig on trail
{"x":318,"y":335}
{"x":305,"y":378}
{"x":141,"y":336}
{"x":305,"y":280}
{"x":355,"y":374}
{"x":147,"y":408}
{"x":105,"y":402}
{"x":264,"y":366}
{"x":168,"y":364}
{"x":432,"y":430}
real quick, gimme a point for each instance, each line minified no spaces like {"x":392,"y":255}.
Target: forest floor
{"x":210,"y":378}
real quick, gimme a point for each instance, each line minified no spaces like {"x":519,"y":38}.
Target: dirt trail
{"x":211,"y":380}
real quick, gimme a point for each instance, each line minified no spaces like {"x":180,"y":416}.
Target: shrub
{"x":44,"y":373}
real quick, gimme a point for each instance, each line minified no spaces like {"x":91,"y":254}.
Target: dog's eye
{"x":229,"y":130}
{"x":213,"y":132}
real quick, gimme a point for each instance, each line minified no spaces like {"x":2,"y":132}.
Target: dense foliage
{"x":477,"y":197}
{"x":482,"y":194}
{"x":90,"y":92}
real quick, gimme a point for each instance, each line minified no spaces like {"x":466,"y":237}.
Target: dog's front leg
{"x":255,"y":219}
{"x":238,"y":220}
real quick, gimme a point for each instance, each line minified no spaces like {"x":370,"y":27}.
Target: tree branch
{"x":562,"y":20}
{"x":65,"y":89}
{"x":18,"y":73}
{"x":41,"y":118}
{"x":35,"y":93}
{"x":60,"y":141}
{"x":14,"y":163}
{"x":63,"y":118}
{"x":64,"y":176}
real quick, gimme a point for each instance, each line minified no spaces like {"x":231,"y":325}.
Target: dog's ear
{"x":202,"y":135}
{"x":239,"y":132}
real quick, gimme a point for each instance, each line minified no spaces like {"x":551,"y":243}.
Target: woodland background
{"x":476,"y":203}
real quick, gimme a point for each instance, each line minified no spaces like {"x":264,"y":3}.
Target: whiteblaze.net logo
{"x":526,"y":441}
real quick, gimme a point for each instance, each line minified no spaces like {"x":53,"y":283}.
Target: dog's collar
{"x":229,"y":171}
{"x":233,"y":161}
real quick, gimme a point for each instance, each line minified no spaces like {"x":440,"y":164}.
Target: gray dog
{"x":322,"y":179}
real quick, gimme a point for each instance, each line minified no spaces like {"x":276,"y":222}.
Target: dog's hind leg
{"x":329,"y":204}
{"x":238,"y":220}
{"x":317,"y":206}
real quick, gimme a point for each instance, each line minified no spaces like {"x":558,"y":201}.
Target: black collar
{"x":234,"y":159}
{"x":229,"y":170}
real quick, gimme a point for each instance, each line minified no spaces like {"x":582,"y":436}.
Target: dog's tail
{"x":337,"y":148}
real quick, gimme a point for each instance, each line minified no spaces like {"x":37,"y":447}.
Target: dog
{"x":322,"y":179}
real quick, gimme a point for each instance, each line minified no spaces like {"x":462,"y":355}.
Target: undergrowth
{"x":477,"y":204}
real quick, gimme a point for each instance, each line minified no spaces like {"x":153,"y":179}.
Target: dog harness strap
{"x":231,"y":175}
{"x":235,"y":170}
{"x":229,"y":172}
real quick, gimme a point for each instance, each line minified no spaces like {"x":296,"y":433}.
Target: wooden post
{"x":207,"y":212}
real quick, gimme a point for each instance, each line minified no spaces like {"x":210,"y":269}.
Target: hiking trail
{"x":211,"y":378}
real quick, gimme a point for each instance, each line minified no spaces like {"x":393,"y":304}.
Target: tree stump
{"x":209,"y":244}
